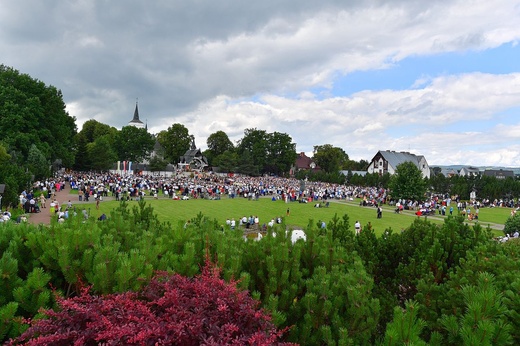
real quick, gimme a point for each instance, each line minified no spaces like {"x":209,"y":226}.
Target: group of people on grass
{"x":215,"y":186}
{"x":211,"y":186}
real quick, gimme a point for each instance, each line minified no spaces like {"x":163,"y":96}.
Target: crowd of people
{"x":90,"y":185}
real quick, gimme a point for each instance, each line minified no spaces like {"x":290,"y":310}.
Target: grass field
{"x":300,"y":214}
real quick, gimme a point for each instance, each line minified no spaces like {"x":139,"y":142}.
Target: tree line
{"x":37,"y":136}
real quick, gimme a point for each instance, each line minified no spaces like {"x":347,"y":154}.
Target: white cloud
{"x":272,"y":65}
{"x":362,"y":124}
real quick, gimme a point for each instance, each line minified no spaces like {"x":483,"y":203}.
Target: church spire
{"x":136,"y":112}
{"x":135,"y":121}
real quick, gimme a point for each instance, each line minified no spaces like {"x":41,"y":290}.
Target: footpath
{"x":44,"y":216}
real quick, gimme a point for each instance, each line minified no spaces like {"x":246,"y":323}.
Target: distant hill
{"x":516,"y":170}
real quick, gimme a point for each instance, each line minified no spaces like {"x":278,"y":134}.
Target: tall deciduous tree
{"x":13,"y":176}
{"x":34,"y":113}
{"x":176,"y":140}
{"x":408,"y":182}
{"x":101,"y":154}
{"x":254,"y":143}
{"x":133,"y":144}
{"x":329,"y":158}
{"x":227,"y":161}
{"x":93,"y":129}
{"x":218,"y":143}
{"x":281,"y":153}
{"x":268,"y":152}
{"x":90,"y":132}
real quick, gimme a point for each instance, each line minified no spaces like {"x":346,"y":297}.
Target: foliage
{"x":91,"y":132}
{"x":281,"y":153}
{"x":329,"y":158}
{"x":334,"y":288}
{"x":407,"y":182}
{"x":253,"y":146}
{"x":406,"y":327}
{"x":332,"y":177}
{"x":170,"y":310}
{"x":176,"y":140}
{"x":133,"y":144}
{"x":32,"y":113}
{"x":157,"y":164}
{"x":13,"y":176}
{"x":37,"y":163}
{"x":35,"y":130}
{"x":352,"y":165}
{"x":93,"y":129}
{"x":227,"y":161}
{"x":218,"y":143}
{"x":512,"y":224}
{"x":101,"y":153}
{"x":271,"y":153}
{"x":484,"y":321}
{"x":247,"y":165}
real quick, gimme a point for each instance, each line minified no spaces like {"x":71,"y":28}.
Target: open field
{"x":300,"y":214}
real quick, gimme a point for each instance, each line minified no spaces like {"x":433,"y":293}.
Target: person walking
{"x":42,"y":201}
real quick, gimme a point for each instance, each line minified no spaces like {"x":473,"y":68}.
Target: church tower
{"x":135,"y":121}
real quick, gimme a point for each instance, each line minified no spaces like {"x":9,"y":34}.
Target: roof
{"x":499,"y":173}
{"x":395,"y":158}
{"x":470,"y":169}
{"x":192,"y":154}
{"x":448,"y":172}
{"x":136,"y":120}
{"x":303,"y":161}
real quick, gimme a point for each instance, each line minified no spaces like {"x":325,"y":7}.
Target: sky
{"x":435,"y":78}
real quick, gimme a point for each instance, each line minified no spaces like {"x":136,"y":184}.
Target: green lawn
{"x":175,"y":211}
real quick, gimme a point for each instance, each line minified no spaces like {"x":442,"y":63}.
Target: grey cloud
{"x":178,"y":56}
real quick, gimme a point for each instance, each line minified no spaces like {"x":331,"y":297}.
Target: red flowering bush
{"x":171,"y":310}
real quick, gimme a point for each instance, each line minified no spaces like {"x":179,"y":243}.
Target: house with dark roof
{"x":499,"y":173}
{"x":303,"y":163}
{"x":193,"y":159}
{"x":386,"y":161}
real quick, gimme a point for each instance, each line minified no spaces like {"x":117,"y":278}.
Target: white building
{"x":386,"y":161}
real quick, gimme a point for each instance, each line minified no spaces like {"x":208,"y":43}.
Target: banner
{"x":118,"y":166}
{"x":130,"y":166}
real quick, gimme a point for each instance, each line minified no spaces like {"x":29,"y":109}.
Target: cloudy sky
{"x":435,"y":78}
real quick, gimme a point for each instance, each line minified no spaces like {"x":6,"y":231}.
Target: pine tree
{"x":485,"y":321}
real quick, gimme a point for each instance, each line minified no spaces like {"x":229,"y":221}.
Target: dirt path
{"x":44,"y":217}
